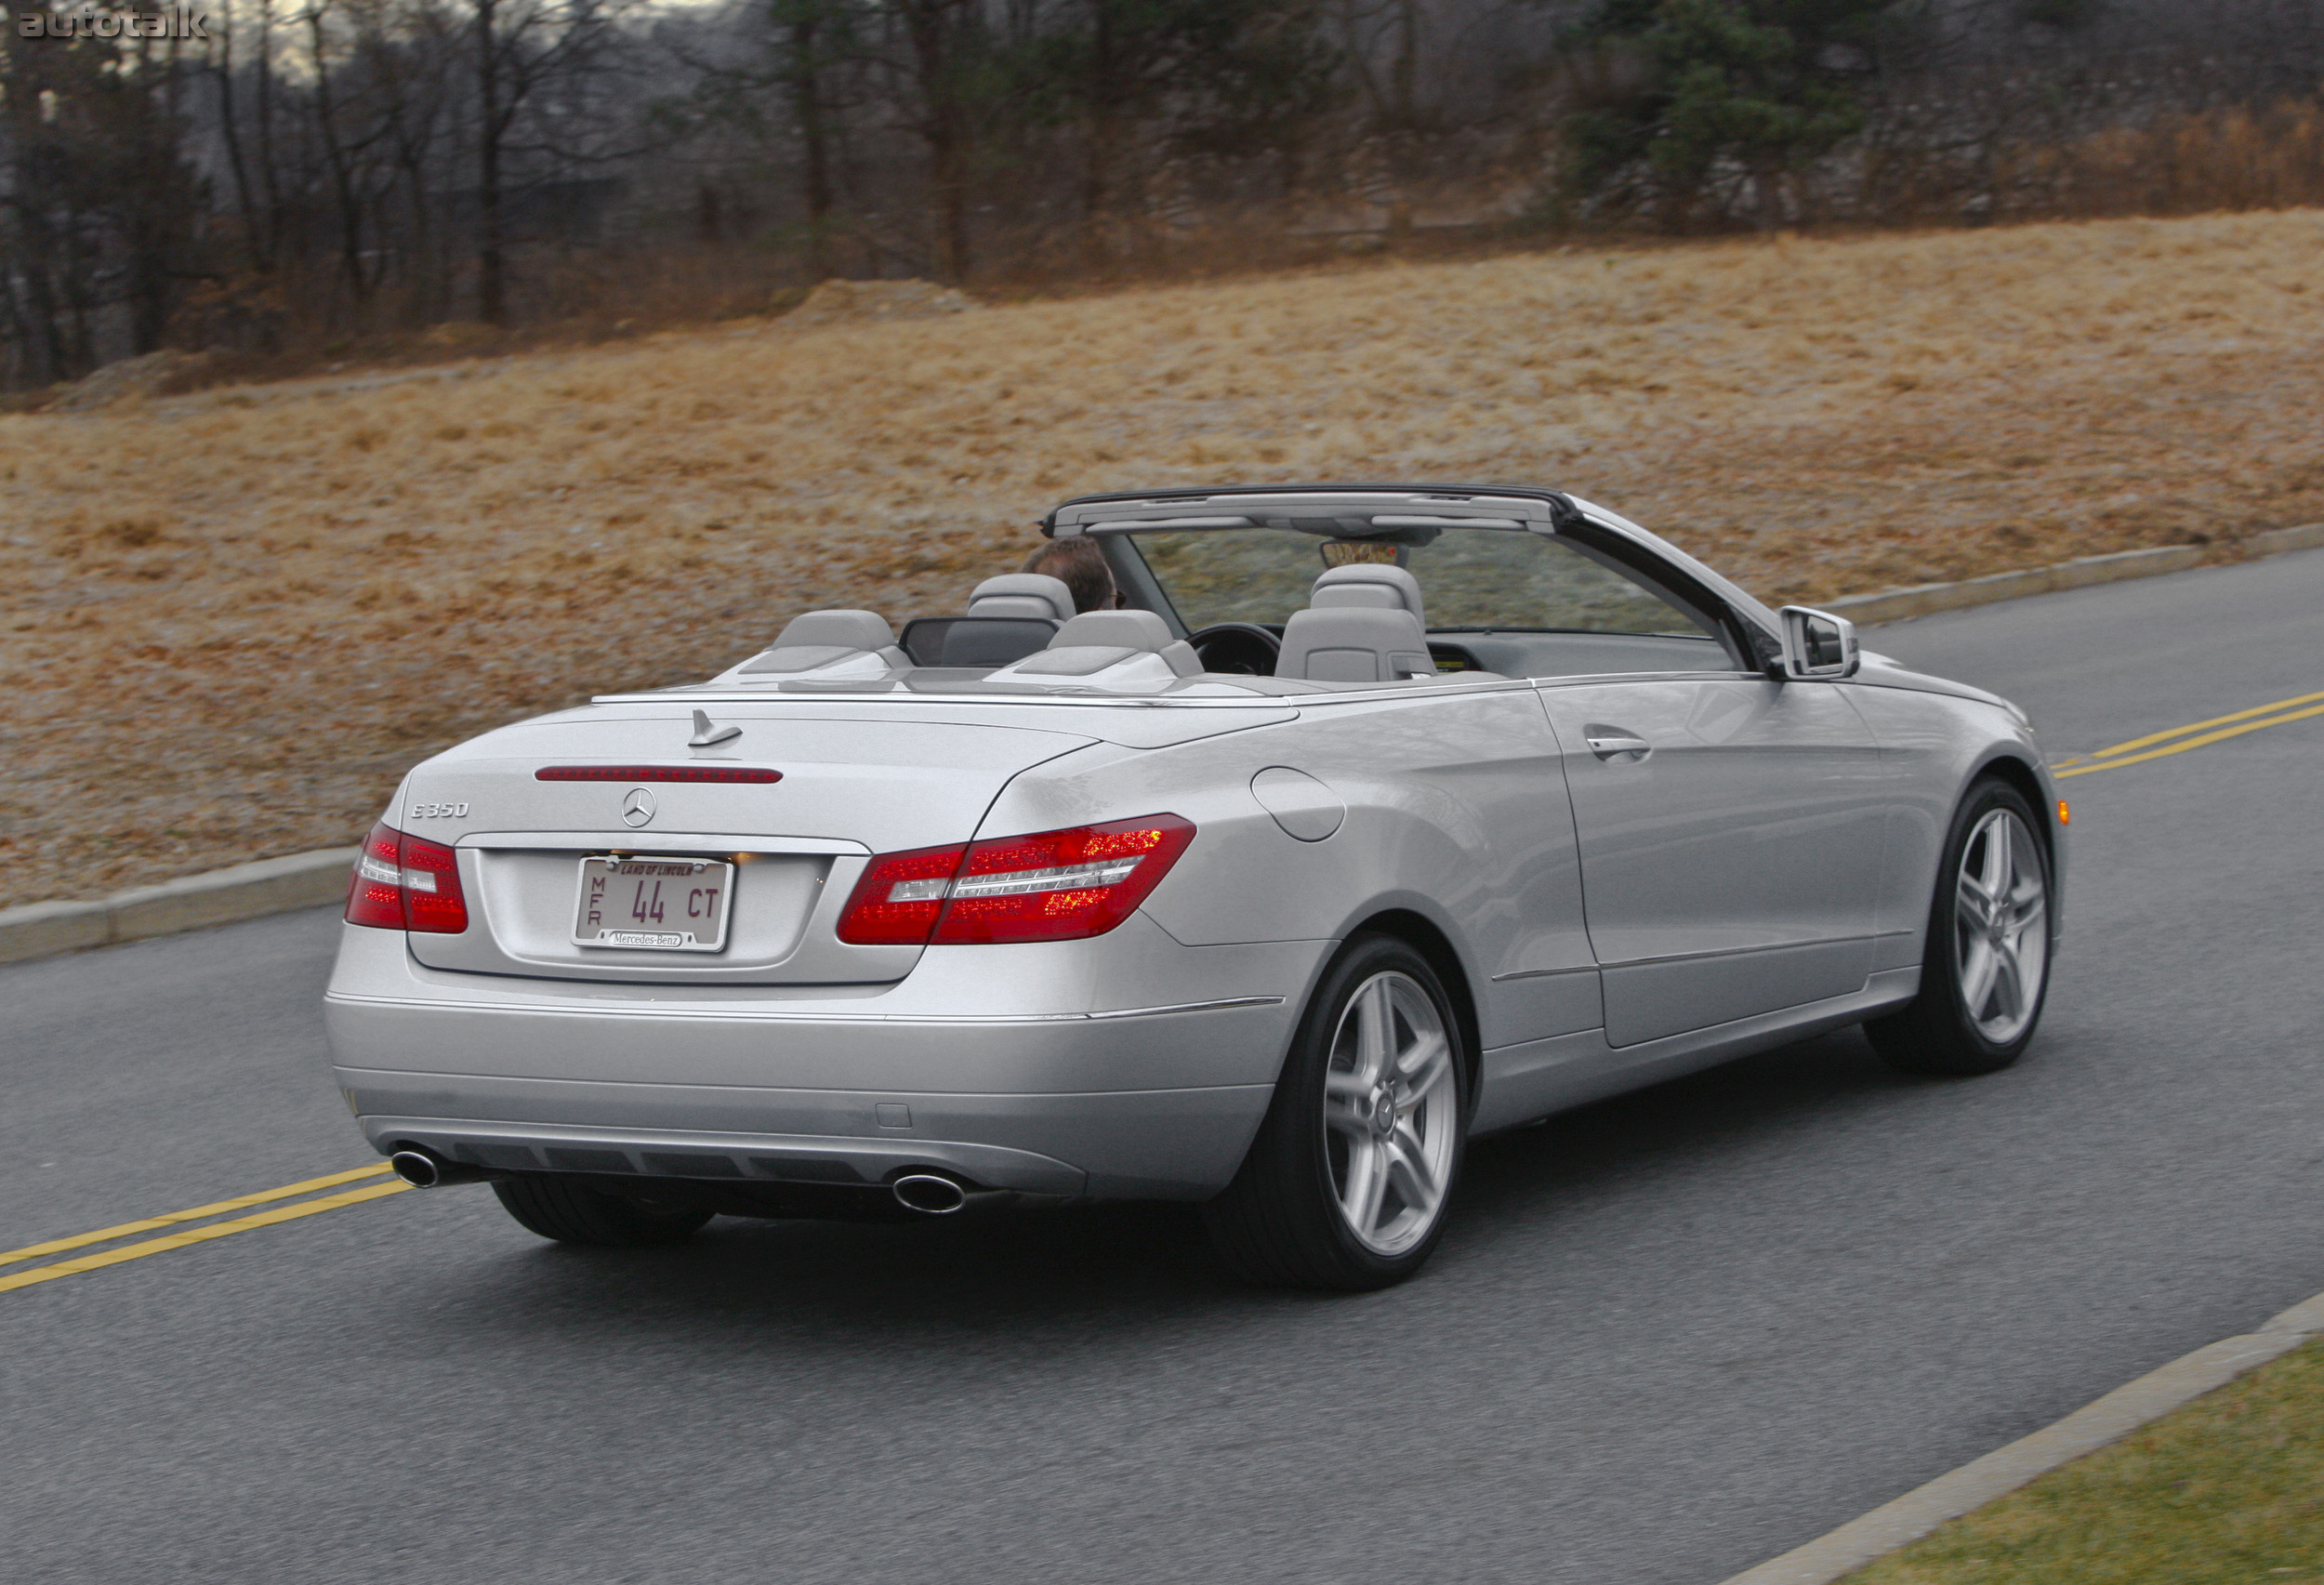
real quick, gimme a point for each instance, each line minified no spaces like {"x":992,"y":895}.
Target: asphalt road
{"x":1668,"y":1336}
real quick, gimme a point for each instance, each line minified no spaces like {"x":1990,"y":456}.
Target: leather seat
{"x":861,"y":641}
{"x":1369,"y":586}
{"x":1099,"y":640}
{"x":1363,"y":624}
{"x":1023,"y":594}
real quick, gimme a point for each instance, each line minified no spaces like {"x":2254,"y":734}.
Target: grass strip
{"x":2228,"y":1490}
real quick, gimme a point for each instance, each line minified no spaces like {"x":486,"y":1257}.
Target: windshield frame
{"x":1755,"y":629}
{"x":1714,"y":617}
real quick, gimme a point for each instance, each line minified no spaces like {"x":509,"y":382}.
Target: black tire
{"x":575,"y":1213}
{"x":1938,"y":1033}
{"x":1281,"y":1222}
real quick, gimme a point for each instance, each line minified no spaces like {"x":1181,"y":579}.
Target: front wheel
{"x":1347,"y":1183}
{"x":575,"y":1213}
{"x":1985,"y":969}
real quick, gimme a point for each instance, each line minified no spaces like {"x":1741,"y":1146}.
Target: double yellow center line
{"x":190,"y":1235}
{"x":2178,"y":740}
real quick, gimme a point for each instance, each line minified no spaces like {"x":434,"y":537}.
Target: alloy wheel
{"x":1391,"y":1112}
{"x":2001,"y":927}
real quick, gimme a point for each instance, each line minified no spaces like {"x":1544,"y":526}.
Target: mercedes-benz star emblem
{"x":638,"y":807}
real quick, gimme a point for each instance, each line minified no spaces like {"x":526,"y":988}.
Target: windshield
{"x":1471,"y":579}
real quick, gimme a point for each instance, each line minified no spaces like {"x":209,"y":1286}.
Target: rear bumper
{"x":834,"y":1085}
{"x":1168,"y":1144}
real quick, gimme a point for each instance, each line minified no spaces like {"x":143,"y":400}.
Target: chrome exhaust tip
{"x":416,"y":1168}
{"x":423,"y":1171}
{"x":929,"y":1194}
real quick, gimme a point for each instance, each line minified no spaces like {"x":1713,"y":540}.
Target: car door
{"x":1730,"y":829}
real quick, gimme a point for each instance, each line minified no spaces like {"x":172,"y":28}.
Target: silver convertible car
{"x":1374,"y":819}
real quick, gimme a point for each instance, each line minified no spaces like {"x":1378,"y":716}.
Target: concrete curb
{"x":1921,"y":600}
{"x":1972,"y":1486}
{"x":243,"y":891}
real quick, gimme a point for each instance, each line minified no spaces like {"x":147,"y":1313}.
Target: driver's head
{"x":1077,"y":560}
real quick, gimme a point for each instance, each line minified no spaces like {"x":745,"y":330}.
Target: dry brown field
{"x":230,"y":621}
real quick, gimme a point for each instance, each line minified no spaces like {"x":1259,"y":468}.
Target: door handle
{"x":1612,"y":743}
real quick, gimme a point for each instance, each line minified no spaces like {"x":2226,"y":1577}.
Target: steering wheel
{"x":1243,"y":649}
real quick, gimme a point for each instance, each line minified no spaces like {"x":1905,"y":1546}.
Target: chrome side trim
{"x":441,"y":1004}
{"x":1542,"y":973}
{"x":1155,"y":1011}
{"x":771,"y":846}
{"x":1746,"y":951}
{"x":1599,"y":678}
{"x":731,"y":693}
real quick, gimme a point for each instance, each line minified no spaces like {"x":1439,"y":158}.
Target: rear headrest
{"x":1023,"y":594}
{"x":1369,"y":586}
{"x":837,"y":629}
{"x":1098,"y":642}
{"x":1114,"y":629}
{"x":819,"y":641}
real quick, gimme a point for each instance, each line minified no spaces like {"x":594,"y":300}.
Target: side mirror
{"x":1816,"y":644}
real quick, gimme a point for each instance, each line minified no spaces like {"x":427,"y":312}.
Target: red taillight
{"x":901,"y":896}
{"x":1060,"y":885}
{"x":1049,"y":885}
{"x":374,"y":896}
{"x":406,"y":883}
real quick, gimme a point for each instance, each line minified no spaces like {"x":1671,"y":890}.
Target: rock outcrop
{"x":845,"y":302}
{"x":166,"y":373}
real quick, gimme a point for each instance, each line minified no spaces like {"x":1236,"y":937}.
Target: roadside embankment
{"x":231,"y":619}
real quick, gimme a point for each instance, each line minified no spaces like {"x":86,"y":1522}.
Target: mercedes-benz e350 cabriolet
{"x":1377,"y":818}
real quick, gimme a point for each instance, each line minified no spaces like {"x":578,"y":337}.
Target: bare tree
{"x":528,"y":56}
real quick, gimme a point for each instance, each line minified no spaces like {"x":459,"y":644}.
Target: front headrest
{"x":1023,"y":594}
{"x":1369,"y":586}
{"x":1114,"y":629}
{"x":1356,"y":645}
{"x":837,"y":629}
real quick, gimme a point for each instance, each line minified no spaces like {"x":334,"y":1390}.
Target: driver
{"x":1076,"y":561}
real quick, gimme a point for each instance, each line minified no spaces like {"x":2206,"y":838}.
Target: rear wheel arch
{"x":1345,"y":1184}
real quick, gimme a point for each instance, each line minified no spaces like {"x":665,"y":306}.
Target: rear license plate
{"x":654,"y":905}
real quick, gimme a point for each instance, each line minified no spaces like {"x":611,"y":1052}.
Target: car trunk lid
{"x":620,"y":783}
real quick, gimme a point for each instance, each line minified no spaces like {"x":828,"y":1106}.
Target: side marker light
{"x":2066,"y":816}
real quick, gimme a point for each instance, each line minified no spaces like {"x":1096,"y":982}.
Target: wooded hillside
{"x":327,"y":181}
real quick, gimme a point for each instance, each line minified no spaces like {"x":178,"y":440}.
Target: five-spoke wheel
{"x":2001,"y":927}
{"x":1347,"y":1182}
{"x":1986,"y":967}
{"x":1391,"y":1112}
